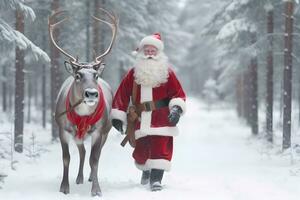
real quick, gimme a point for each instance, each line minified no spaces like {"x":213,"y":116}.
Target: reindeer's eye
{"x":96,"y":76}
{"x":77,"y":77}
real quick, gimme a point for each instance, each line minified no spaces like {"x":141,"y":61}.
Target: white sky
{"x":182,"y":3}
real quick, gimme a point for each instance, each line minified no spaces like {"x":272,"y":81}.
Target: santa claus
{"x":151,"y":85}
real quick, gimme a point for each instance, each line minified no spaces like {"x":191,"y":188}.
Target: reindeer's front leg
{"x":65,"y":187}
{"x":81,"y":150}
{"x":94,"y":160}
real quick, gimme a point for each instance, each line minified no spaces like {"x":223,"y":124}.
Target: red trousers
{"x":153,"y":147}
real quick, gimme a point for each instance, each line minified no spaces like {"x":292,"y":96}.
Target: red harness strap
{"x":83,"y":123}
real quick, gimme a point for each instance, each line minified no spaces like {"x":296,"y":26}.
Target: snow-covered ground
{"x":215,"y":158}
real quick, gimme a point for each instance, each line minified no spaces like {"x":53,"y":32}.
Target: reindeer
{"x":83,"y":106}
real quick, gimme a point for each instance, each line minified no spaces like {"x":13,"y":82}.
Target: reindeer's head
{"x":85,"y":84}
{"x":86,"y":74}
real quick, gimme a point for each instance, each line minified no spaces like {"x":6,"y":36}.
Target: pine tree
{"x":10,"y":37}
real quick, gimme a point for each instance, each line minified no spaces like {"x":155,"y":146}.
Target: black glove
{"x":118,"y":124}
{"x":174,"y":115}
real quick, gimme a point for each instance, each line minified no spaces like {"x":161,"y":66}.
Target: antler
{"x":113,"y":25}
{"x":51,"y":27}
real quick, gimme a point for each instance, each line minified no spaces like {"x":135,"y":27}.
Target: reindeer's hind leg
{"x":81,"y":149}
{"x":65,"y":187}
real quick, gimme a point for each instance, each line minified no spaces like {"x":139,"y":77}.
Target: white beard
{"x":151,"y":72}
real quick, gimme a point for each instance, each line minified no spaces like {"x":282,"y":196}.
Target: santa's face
{"x":150,"y":51}
{"x":151,"y":67}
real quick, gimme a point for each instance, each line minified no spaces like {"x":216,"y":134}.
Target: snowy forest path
{"x":214,"y":159}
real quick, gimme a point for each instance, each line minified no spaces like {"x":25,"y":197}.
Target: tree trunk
{"x":287,"y":75}
{"x":55,"y":75}
{"x":29,"y":85}
{"x":239,"y":95}
{"x":96,"y":30}
{"x":253,"y":93}
{"x":298,"y":89}
{"x":19,"y":91}
{"x":44,"y":99}
{"x":88,"y":14}
{"x":269,"y":97}
{"x":102,"y":31}
{"x":11,"y":92}
{"x":43,"y":88}
{"x":4,"y":89}
{"x":35,"y":88}
{"x":122,"y":71}
{"x":246,"y":96}
{"x":98,"y":34}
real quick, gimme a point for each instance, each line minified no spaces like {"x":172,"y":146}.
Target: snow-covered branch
{"x":234,"y":27}
{"x":9,"y":35}
{"x":18,"y":5}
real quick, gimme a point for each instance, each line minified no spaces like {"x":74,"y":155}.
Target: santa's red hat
{"x":154,"y":40}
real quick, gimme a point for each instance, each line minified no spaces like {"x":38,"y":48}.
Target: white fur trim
{"x":178,"y":102}
{"x":141,"y":167}
{"x":151,"y":40}
{"x":146,"y":95}
{"x":119,"y":114}
{"x":161,"y":131}
{"x":154,"y":164}
{"x":158,"y":164}
{"x":146,"y":120}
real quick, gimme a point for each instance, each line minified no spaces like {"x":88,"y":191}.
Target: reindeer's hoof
{"x":96,"y":191}
{"x":65,"y":188}
{"x":79,"y":179}
{"x":99,"y":194}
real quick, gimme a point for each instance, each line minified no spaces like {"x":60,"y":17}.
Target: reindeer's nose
{"x":91,"y":93}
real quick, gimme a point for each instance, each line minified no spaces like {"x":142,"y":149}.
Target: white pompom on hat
{"x":154,"y":40}
{"x":135,"y":52}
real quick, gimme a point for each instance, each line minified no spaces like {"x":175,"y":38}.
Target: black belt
{"x":153,"y":105}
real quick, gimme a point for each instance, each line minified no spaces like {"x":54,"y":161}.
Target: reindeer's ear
{"x":100,"y":68}
{"x":69,"y":67}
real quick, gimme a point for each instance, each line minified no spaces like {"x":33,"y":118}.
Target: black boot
{"x":155,"y":179}
{"x":145,"y":177}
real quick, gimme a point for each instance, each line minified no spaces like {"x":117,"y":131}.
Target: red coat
{"x":155,"y":122}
